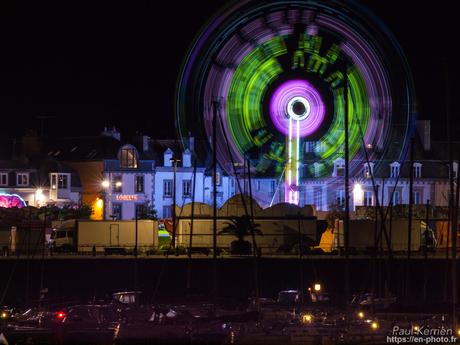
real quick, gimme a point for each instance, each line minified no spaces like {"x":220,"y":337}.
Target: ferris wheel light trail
{"x":278,"y":70}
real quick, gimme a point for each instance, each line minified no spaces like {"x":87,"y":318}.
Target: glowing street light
{"x":105,"y":184}
{"x":307,"y":318}
{"x":317,"y":287}
{"x":358,"y":195}
{"x":39,"y":197}
{"x":118,"y":184}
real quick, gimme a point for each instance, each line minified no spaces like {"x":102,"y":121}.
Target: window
{"x":310,"y":146}
{"x":272,"y":186}
{"x":218,"y":179}
{"x":139,"y":184}
{"x":417,"y":170}
{"x":339,"y":168}
{"x":340,"y":171}
{"x":167,"y":188}
{"x":396,"y":198}
{"x":22,"y":179}
{"x":53,"y":181}
{"x":3,"y":179}
{"x":340,"y":198}
{"x":128,"y":158}
{"x":368,"y":198}
{"x":394,"y":170}
{"x":417,"y":198}
{"x":368,"y":170}
{"x":317,"y":168}
{"x":318,"y":198}
{"x":167,"y":211}
{"x":62,"y":181}
{"x":140,"y":208}
{"x":187,"y":188}
{"x":117,"y":184}
{"x":116,"y":211}
{"x":258,"y":186}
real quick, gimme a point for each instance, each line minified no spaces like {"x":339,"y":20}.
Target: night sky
{"x":96,"y":63}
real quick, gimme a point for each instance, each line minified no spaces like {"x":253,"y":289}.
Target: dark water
{"x":83,"y":279}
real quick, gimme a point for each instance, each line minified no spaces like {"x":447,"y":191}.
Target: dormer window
{"x":368,"y":170}
{"x":128,"y":157}
{"x":339,"y":168}
{"x":394,"y":169}
{"x":417,"y":170}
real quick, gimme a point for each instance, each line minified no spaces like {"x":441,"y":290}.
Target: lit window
{"x":128,"y":158}
{"x":417,"y":198}
{"x":3,"y":179}
{"x":53,"y":181}
{"x":22,"y":179}
{"x":167,"y":188}
{"x":368,"y":170}
{"x":117,"y":184}
{"x":187,"y":188}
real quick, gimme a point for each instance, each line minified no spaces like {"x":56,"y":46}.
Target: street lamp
{"x":105,"y":185}
{"x":38,"y":197}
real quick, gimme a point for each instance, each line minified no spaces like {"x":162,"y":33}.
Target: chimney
{"x":191,"y":144}
{"x":145,"y":143}
{"x":424,"y":133}
{"x":111,"y":132}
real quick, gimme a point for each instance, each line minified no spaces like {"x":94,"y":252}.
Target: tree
{"x":240,"y":227}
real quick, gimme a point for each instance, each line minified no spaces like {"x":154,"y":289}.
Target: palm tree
{"x":240,"y":227}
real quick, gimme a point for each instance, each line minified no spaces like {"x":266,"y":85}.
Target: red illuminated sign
{"x":126,"y":197}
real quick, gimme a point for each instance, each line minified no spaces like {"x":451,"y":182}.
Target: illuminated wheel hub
{"x":298,"y":108}
{"x":300,"y":101}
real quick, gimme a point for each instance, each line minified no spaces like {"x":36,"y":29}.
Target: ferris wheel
{"x":278,"y":70}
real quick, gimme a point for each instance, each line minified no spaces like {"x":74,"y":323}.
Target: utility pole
{"x":173,"y":240}
{"x":346,"y":224}
{"x":215,"y":105}
{"x":409,"y":222}
{"x":135,"y":251}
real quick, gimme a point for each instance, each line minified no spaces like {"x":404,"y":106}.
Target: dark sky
{"x":93,"y":63}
